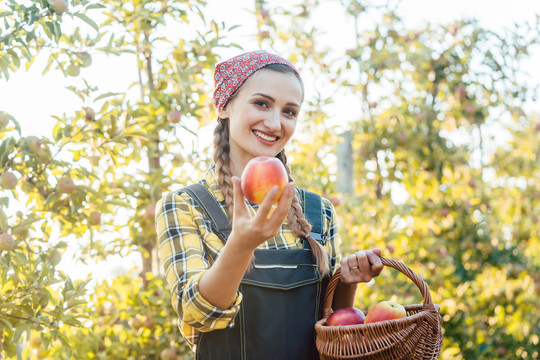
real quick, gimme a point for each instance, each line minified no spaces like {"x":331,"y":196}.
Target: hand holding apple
{"x":385,"y":310}
{"x":260,"y":175}
{"x":251,"y":231}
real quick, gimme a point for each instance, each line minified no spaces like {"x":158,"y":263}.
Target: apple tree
{"x":90,"y":187}
{"x":432,"y":185}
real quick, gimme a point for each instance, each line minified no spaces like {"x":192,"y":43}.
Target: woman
{"x":229,"y":307}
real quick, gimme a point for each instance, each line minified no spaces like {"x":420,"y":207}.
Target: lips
{"x":265,"y":136}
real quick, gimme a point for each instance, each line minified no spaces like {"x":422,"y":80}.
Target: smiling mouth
{"x":265,"y":137}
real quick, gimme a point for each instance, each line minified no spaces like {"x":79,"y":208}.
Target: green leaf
{"x":57,"y":132}
{"x":87,"y":20}
{"x":19,"y":331}
{"x":108,"y":94}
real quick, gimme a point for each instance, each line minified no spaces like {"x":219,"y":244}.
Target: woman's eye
{"x":290,"y":112}
{"x":260,"y":103}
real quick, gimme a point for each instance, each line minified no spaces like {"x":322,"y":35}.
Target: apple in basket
{"x":385,"y":310}
{"x":346,"y":316}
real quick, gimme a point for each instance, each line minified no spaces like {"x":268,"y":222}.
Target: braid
{"x":222,"y":162}
{"x":301,"y":227}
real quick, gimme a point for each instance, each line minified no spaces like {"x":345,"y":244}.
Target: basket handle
{"x":398,"y":265}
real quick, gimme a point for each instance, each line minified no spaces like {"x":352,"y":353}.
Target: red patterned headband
{"x":231,"y":74}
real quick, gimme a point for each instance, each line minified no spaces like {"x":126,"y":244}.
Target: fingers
{"x":279,"y":213}
{"x":365,"y":264}
{"x":374,"y":257}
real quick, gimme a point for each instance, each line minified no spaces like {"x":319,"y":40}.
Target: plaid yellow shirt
{"x":188,"y":247}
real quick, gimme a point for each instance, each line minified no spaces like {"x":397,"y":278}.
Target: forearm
{"x":220,"y":283}
{"x":344,"y":296}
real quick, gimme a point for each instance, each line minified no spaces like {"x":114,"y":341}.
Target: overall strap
{"x":312,"y":207}
{"x":211,"y":207}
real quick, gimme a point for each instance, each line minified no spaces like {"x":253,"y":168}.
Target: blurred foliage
{"x":434,"y":185}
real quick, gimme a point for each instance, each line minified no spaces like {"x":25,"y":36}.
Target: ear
{"x":224,"y":114}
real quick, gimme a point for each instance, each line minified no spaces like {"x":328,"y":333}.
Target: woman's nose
{"x":273,"y":121}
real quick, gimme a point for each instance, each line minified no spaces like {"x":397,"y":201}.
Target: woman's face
{"x":262,"y":115}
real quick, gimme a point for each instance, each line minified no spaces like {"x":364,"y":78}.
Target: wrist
{"x":236,"y":246}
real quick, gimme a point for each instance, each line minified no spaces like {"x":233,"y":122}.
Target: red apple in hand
{"x":346,"y":316}
{"x":385,"y":310}
{"x":260,"y":175}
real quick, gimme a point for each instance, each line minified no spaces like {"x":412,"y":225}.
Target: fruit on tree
{"x":59,"y":6}
{"x":41,"y":352}
{"x":385,"y":310}
{"x":9,"y":180}
{"x":73,"y":70}
{"x":265,"y":14}
{"x":148,"y":321}
{"x":44,"y":154}
{"x":346,"y":316}
{"x":6,"y":242}
{"x":33,"y":144}
{"x":135,"y":323}
{"x":90,"y":114}
{"x":94,"y":218}
{"x":174,"y":116}
{"x":470,"y":109}
{"x":86,"y":58}
{"x":66,"y":185}
{"x":35,"y":342}
{"x":55,"y":257}
{"x":260,"y":175}
{"x":168,"y":354}
{"x":402,"y":139}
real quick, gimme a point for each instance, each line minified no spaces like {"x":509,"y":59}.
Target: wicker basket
{"x":417,"y":336}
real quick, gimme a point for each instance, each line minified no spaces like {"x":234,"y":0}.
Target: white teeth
{"x":265,"y":137}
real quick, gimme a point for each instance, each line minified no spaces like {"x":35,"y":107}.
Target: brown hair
{"x":295,"y":218}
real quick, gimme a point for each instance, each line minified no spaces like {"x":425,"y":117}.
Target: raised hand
{"x":250,"y":231}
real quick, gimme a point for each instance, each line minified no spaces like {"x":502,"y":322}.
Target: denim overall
{"x":282,"y":296}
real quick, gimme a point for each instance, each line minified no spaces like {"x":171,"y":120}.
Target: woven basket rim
{"x":420,"y":314}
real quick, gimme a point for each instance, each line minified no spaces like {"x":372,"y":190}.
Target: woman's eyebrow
{"x":273,"y":100}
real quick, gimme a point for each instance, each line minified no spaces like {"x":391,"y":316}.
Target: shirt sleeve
{"x":332,"y":233}
{"x":181,"y":230}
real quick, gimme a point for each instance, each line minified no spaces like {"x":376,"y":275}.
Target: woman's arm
{"x":219,"y":284}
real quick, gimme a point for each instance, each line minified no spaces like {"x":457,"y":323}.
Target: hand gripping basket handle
{"x":398,"y":265}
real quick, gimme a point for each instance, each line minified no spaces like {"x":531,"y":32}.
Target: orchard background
{"x":437,"y":123}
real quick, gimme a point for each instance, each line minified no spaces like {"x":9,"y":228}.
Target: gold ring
{"x":353,"y":267}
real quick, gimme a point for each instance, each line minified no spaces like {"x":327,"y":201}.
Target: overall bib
{"x":282,"y":297}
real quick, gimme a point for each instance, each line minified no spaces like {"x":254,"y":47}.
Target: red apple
{"x":90,"y":114}
{"x":346,"y":316}
{"x":66,"y":185}
{"x":33,"y":144}
{"x":385,"y":310}
{"x":9,"y":180}
{"x":94,"y":218}
{"x":6,"y":242}
{"x":59,"y":6}
{"x":260,"y":175}
{"x":168,"y":354}
{"x":174,"y":116}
